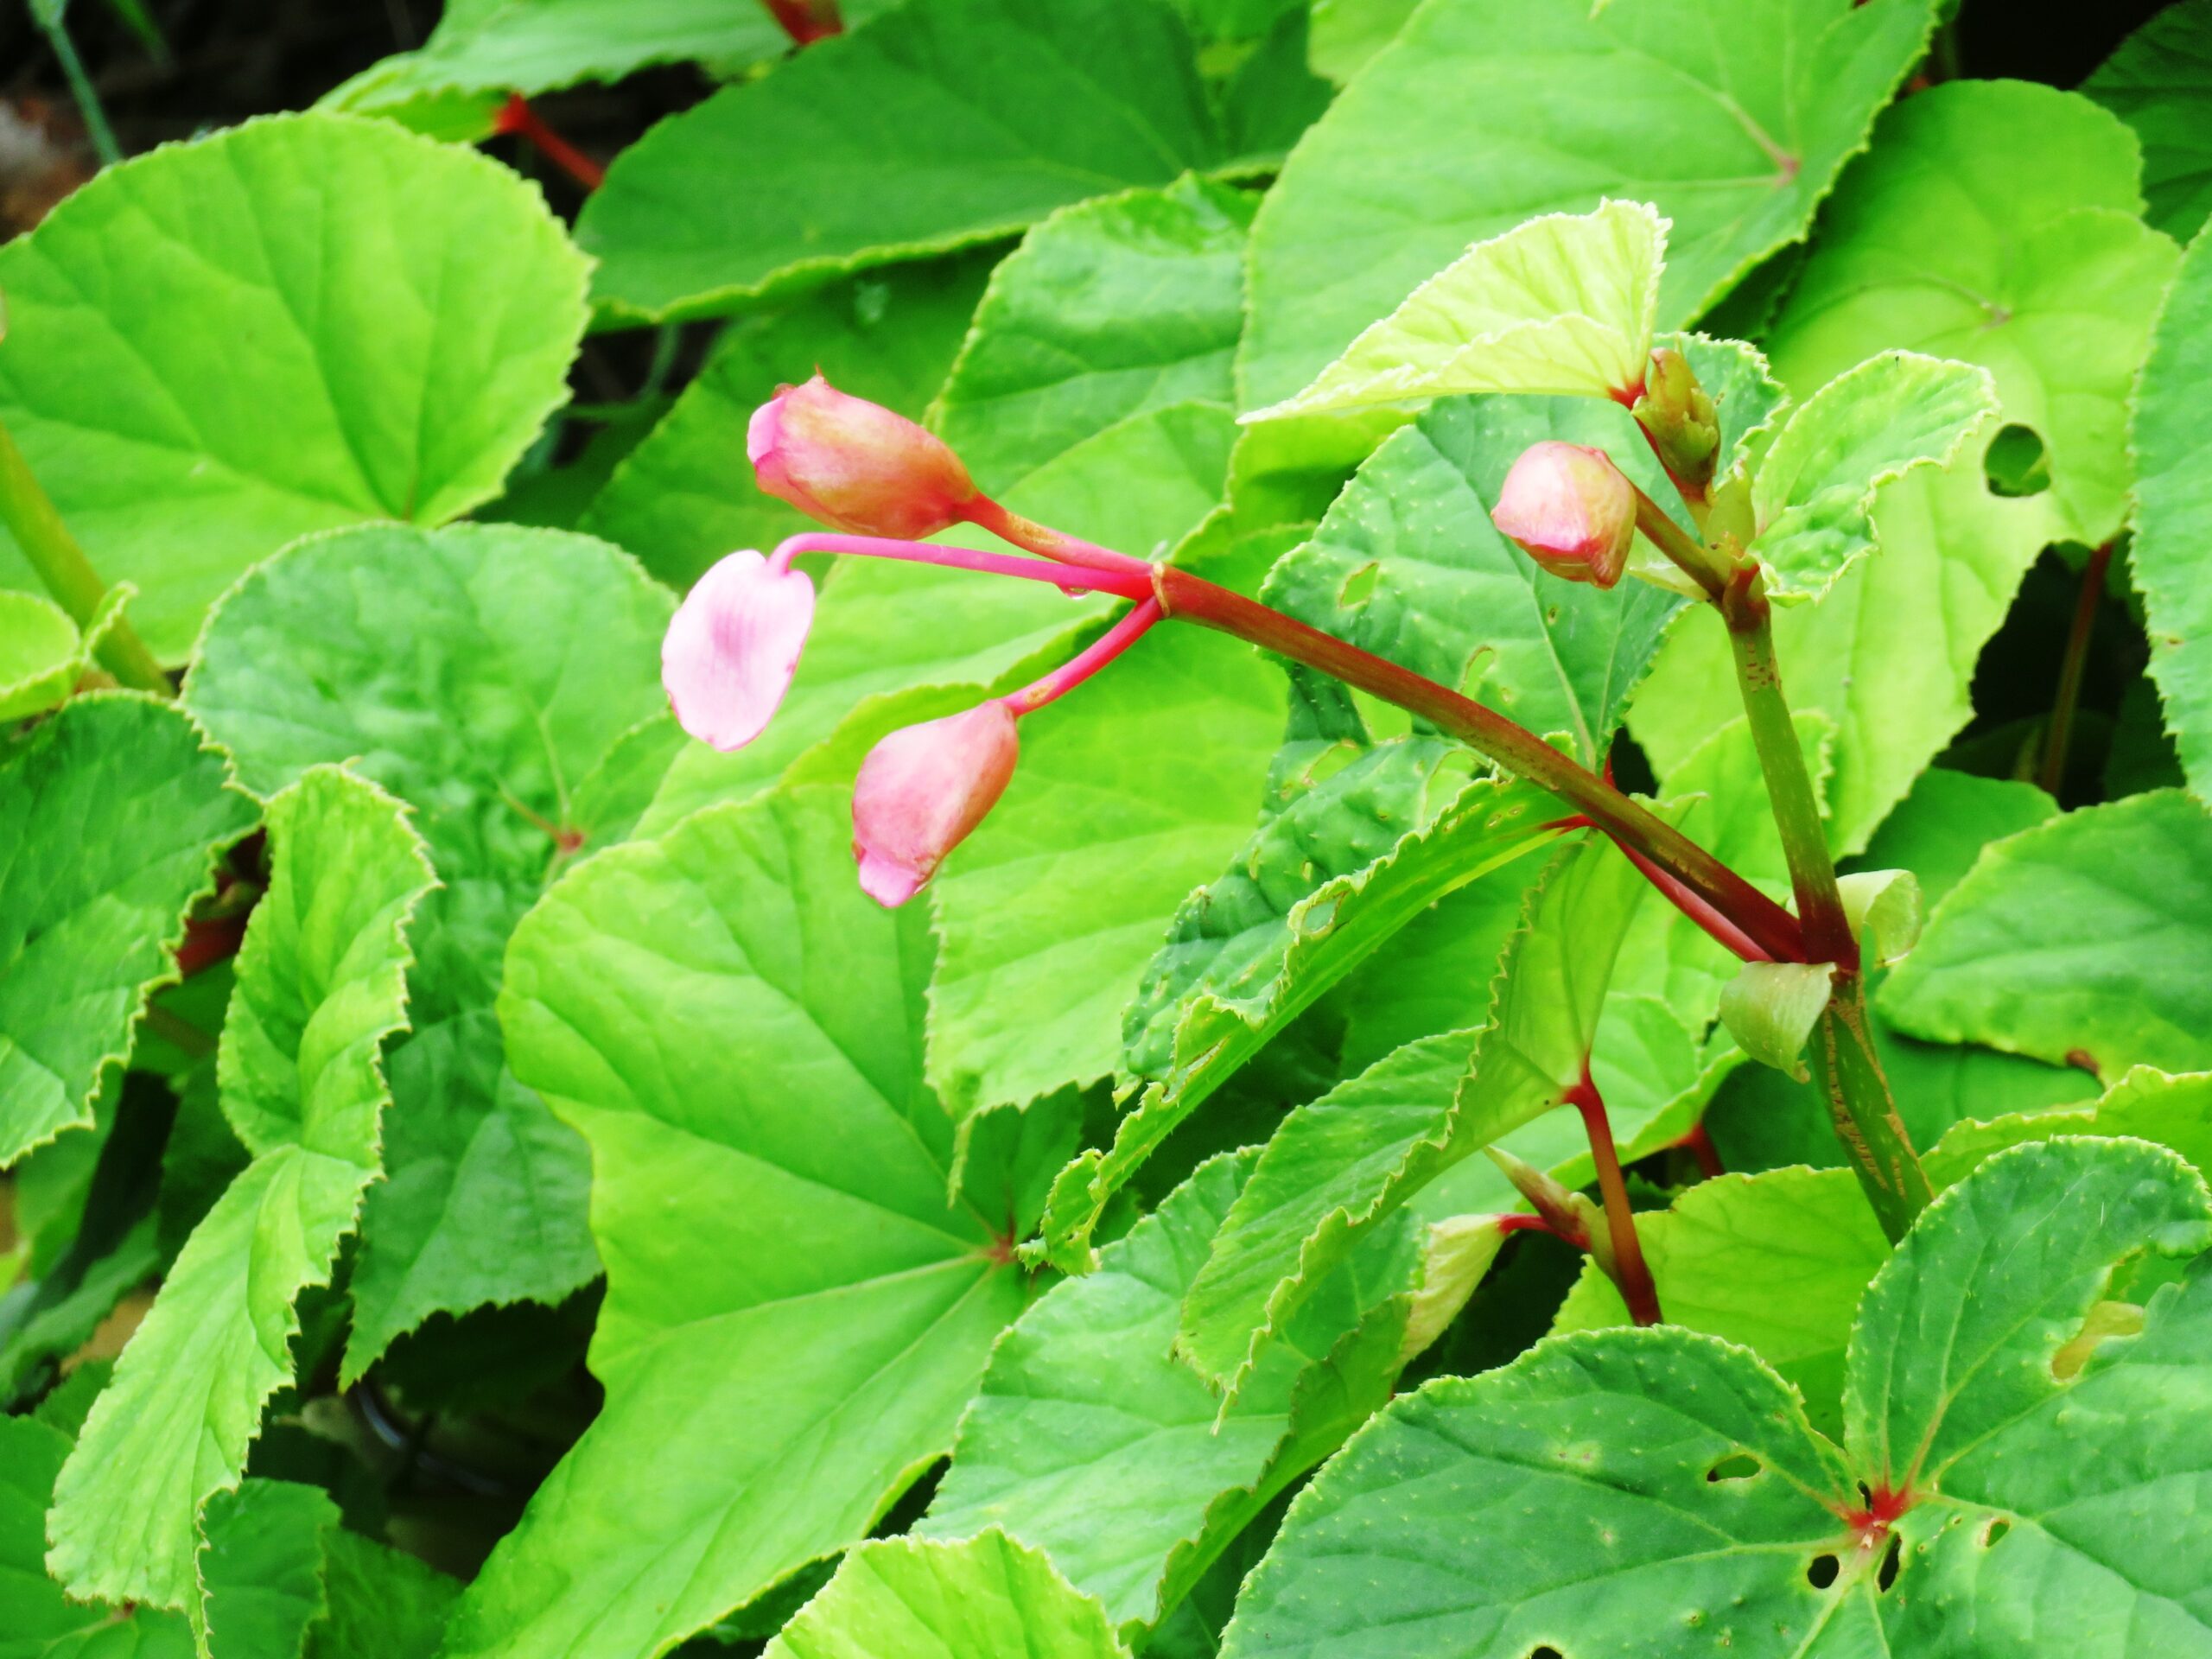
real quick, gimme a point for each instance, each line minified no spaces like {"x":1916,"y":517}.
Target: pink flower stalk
{"x":924,"y":788}
{"x":855,"y":466}
{"x":733,"y":646}
{"x":1570,"y":508}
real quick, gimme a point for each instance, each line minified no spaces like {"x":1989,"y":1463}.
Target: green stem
{"x":2060,"y":736}
{"x":81,"y":88}
{"x":1518,"y":750}
{"x":1844,"y":1061}
{"x":31,"y":519}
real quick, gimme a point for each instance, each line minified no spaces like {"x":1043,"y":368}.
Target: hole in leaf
{"x":1820,"y":1571}
{"x":1359,"y":587}
{"x":1545,"y":1650}
{"x":2016,"y":463}
{"x":1887,"y":1574}
{"x":1996,"y":1529}
{"x":1740,"y":1465}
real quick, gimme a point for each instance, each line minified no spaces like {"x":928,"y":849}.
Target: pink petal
{"x":729,"y":653}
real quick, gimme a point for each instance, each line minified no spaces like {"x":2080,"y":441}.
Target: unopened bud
{"x":855,"y":466}
{"x":1570,"y":508}
{"x":922,"y":790}
{"x":1683,"y":424}
{"x":1555,"y":1203}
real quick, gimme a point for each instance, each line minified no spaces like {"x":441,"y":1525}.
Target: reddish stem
{"x":1699,"y":1144}
{"x":807,"y":20}
{"x":1520,"y":1224}
{"x":1630,"y":1271}
{"x":2061,"y":734}
{"x":1520,"y":751}
{"x":987,"y":514}
{"x":516,"y":117}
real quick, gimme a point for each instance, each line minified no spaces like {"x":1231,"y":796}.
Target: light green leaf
{"x":1338,"y":1168}
{"x":320,"y":989}
{"x":1771,"y":1008}
{"x":1091,"y":1442}
{"x":1406,"y":564}
{"x":1161,"y":761}
{"x":1939,"y":830}
{"x":770,"y":1196}
{"x":685,"y":495}
{"x":2157,"y":82}
{"x":1814,"y":491}
{"x":1997,"y":223}
{"x":2174,"y":504}
{"x":411,"y":309}
{"x":1537,"y":1505}
{"x":1161,"y":273}
{"x":482,"y":673}
{"x":88,"y":922}
{"x":1887,"y":655}
{"x":42,"y":655}
{"x":42,"y":1622}
{"x":1563,"y":304}
{"x":2085,"y":933}
{"x":1732,"y":120}
{"x":986,"y":1599}
{"x":1324,"y":883}
{"x":897,"y":139}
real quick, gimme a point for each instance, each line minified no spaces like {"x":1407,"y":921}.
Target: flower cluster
{"x":734,"y":645}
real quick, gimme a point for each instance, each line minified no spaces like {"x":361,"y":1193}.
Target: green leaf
{"x":42,"y":655}
{"x":1541,"y":1505}
{"x":1813,"y":493}
{"x":1091,"y":1442}
{"x":1887,"y":655}
{"x":685,"y":496}
{"x":1997,"y":223}
{"x":42,"y":1622}
{"x":2174,"y":505}
{"x":908,"y":1598}
{"x":1777,"y":1261}
{"x":1406,"y":564}
{"x":88,"y":923}
{"x":1323,"y":884}
{"x":298,"y":323}
{"x":320,"y":989}
{"x":1939,"y":830}
{"x":1047,"y":935}
{"x":1730,"y":120}
{"x":482,"y":674}
{"x":2157,"y":82}
{"x":541,"y":46}
{"x":1161,"y":273}
{"x":770,"y":1196}
{"x":260,"y":1572}
{"x":1337,"y":1169}
{"x":1771,"y":1008}
{"x":384,"y":1604}
{"x":2084,"y":933}
{"x":903,"y":137}
{"x":1563,"y":304}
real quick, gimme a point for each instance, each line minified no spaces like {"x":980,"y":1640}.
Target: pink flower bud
{"x":730,"y":651}
{"x":1570,"y":508}
{"x":854,"y":465}
{"x":922,"y":790}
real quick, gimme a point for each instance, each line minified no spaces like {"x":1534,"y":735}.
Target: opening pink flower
{"x":855,"y":466}
{"x":1570,"y":508}
{"x":730,"y":654}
